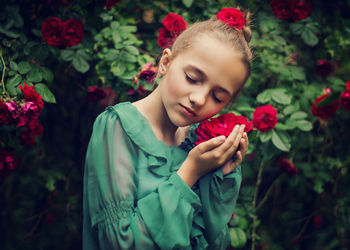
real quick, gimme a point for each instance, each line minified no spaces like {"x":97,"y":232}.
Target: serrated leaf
{"x":35,"y":75}
{"x":281,"y":140}
{"x":47,"y":74}
{"x":238,"y":237}
{"x":24,"y":67}
{"x":45,"y":93}
{"x":15,"y":81}
{"x":13,"y":66}
{"x":68,"y":55}
{"x":264,"y":96}
{"x":309,"y":37}
{"x":265,"y":137}
{"x":304,"y":125}
{"x":80,"y":64}
{"x":298,"y":115}
{"x":187,"y":3}
{"x":132,"y":49}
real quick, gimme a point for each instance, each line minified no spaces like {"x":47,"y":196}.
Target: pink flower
{"x":28,"y":113}
{"x":231,"y":16}
{"x":30,"y":95}
{"x":265,"y":118}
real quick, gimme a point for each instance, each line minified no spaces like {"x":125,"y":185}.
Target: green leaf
{"x":14,"y":81}
{"x":279,"y":96}
{"x":47,"y":74}
{"x":264,"y":137}
{"x":117,"y":68}
{"x":304,"y":125}
{"x":24,"y":67}
{"x":112,"y":55}
{"x":281,"y":140}
{"x":264,"y":96}
{"x":35,"y":75}
{"x":291,"y":123}
{"x":45,"y":93}
{"x":128,"y":29}
{"x":80,"y":64}
{"x":298,"y":73}
{"x":283,"y":126}
{"x":238,"y":237}
{"x":116,"y":37}
{"x":187,"y":3}
{"x":298,"y":115}
{"x":291,"y":108}
{"x":68,"y":55}
{"x":297,"y":28}
{"x":132,"y":49}
{"x":127,"y":57}
{"x":309,"y":37}
{"x":13,"y":66}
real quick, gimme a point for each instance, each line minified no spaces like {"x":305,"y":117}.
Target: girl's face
{"x":199,"y":81}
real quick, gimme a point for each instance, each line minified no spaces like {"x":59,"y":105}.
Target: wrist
{"x":187,"y":175}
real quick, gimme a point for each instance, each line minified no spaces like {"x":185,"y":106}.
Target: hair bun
{"x":247,"y":32}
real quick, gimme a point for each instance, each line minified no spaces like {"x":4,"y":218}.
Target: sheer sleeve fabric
{"x":113,"y":217}
{"x":219,"y":195}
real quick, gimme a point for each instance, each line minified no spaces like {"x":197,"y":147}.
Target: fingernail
{"x":221,"y":139}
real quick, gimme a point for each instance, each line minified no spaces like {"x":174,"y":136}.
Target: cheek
{"x":211,"y":111}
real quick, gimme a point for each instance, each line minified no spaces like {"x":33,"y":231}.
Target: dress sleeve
{"x":113,"y":217}
{"x":219,"y":195}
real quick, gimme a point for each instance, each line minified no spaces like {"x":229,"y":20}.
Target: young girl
{"x":141,"y":189}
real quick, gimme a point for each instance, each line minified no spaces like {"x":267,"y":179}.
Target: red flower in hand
{"x":222,"y":125}
{"x":265,"y":118}
{"x":345,"y":97}
{"x":233,"y":17}
{"x":327,"y":111}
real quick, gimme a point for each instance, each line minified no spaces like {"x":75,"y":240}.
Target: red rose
{"x":324,"y":68}
{"x":345,"y":97}
{"x":95,"y":94}
{"x":8,"y":162}
{"x":28,"y":113}
{"x":32,"y":96}
{"x":318,"y":221}
{"x":35,"y":127}
{"x":233,"y":17}
{"x":5,"y":114}
{"x":287,"y":166}
{"x":174,"y":23}
{"x":326,"y":111}
{"x":51,"y":30}
{"x":72,"y":32}
{"x":265,"y":118}
{"x":291,"y":10}
{"x":15,"y":112}
{"x":165,"y":39}
{"x":110,"y":4}
{"x":222,"y":125}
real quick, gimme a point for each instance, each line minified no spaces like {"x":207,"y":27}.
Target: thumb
{"x":211,"y":144}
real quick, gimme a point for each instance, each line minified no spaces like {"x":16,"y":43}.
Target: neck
{"x":153,"y":109}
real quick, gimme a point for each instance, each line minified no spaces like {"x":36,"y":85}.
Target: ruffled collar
{"x":139,"y":130}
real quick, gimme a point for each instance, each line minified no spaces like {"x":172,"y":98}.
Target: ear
{"x":164,"y":61}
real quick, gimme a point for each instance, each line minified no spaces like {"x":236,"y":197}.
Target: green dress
{"x":134,"y":199}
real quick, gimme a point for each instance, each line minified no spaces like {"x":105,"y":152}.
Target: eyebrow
{"x":204,"y":77}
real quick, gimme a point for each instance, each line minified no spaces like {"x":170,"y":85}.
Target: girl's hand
{"x":210,"y":155}
{"x":238,"y":157}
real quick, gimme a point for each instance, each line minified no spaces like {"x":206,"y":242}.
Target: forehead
{"x":221,"y":63}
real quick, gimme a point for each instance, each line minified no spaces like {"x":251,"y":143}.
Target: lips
{"x":188,"y":111}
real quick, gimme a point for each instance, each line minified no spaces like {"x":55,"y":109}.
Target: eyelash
{"x":190,"y":80}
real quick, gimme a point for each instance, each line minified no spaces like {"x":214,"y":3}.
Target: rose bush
{"x":80,"y":70}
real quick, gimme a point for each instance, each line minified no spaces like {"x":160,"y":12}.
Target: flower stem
{"x":3,"y":73}
{"x":255,"y":218}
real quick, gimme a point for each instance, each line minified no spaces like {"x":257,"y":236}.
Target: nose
{"x":198,"y":97}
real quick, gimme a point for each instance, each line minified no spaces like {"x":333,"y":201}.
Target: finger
{"x":230,"y":148}
{"x":211,"y":144}
{"x":231,"y":139}
{"x":239,"y":158}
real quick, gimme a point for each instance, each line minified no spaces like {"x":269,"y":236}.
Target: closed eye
{"x":189,"y":79}
{"x":216,"y":99}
